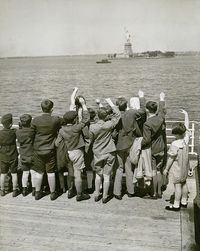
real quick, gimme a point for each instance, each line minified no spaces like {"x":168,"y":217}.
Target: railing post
{"x":197,"y":198}
{"x":192,"y":141}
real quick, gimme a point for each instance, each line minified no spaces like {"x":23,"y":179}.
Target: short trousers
{"x":10,"y":165}
{"x":26,"y":165}
{"x":44,"y":162}
{"x":77,"y":159}
{"x":104,"y":164}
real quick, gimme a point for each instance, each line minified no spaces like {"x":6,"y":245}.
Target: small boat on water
{"x":103,"y":61}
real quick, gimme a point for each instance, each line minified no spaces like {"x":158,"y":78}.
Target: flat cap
{"x":7,"y":119}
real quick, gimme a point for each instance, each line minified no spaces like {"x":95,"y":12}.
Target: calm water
{"x":25,"y":82}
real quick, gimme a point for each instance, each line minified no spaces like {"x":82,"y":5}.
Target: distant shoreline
{"x":178,"y":53}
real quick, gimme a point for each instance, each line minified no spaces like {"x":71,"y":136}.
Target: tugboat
{"x":103,"y":61}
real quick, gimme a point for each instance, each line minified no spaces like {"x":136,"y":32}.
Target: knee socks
{"x":38,"y":181}
{"x":3,"y":176}
{"x":106,"y":185}
{"x":98,"y":182}
{"x":52,"y":182}
{"x":25,"y":178}
{"x":33,"y":173}
{"x":14,"y":181}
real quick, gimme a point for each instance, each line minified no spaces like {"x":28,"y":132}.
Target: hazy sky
{"x":61,"y":27}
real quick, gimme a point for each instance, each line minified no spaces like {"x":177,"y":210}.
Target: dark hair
{"x":77,"y":103}
{"x":152,"y":106}
{"x":92,"y":113}
{"x":102,"y":113}
{"x":69,"y":117}
{"x":179,"y":129}
{"x":25,"y":120}
{"x":109,"y":109}
{"x":46,"y":105}
{"x":122,"y":103}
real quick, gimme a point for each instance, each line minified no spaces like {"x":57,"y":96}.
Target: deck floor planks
{"x":130,"y":224}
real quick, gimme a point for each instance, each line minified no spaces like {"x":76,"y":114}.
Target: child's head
{"x":102,"y":113}
{"x":122,"y":103}
{"x":179,"y":131}
{"x":151,"y":107}
{"x":47,"y":106}
{"x":92,"y":113}
{"x":70,"y":117}
{"x":25,"y":120}
{"x":77,"y":103}
{"x":7,"y":120}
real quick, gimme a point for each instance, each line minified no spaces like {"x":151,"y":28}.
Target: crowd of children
{"x":104,"y":144}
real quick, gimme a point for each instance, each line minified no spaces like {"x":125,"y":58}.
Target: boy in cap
{"x":25,"y":137}
{"x":45,"y":128}
{"x":8,"y":153}
{"x":71,"y":133}
{"x":104,"y":149}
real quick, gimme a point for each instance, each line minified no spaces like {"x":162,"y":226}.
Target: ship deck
{"x":130,"y":224}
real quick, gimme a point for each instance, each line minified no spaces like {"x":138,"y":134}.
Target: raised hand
{"x":141,"y":94}
{"x":165,"y":172}
{"x":183,"y":111}
{"x":162,"y":96}
{"x":109,"y":101}
{"x":98,"y":101}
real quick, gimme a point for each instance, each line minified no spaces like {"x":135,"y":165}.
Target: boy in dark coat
{"x":71,"y":133}
{"x":45,"y":128}
{"x":8,"y":153}
{"x":25,"y":137}
{"x":128,"y":129}
{"x":154,"y":133}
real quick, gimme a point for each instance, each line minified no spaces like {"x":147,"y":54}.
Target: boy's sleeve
{"x":161,"y":109}
{"x":114,"y":120}
{"x":58,"y":139}
{"x":85,"y":120}
{"x":146,"y":141}
{"x":142,"y":102}
{"x":91,"y":135}
{"x":33,"y":127}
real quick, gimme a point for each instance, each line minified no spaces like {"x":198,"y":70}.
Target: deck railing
{"x":170,"y":123}
{"x":197,"y":198}
{"x":193,"y":128}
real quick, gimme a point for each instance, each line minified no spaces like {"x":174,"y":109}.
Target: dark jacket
{"x":154,"y":131}
{"x":130,"y":126}
{"x":25,"y":137}
{"x":72,"y":134}
{"x":45,"y":128}
{"x":8,"y":147}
